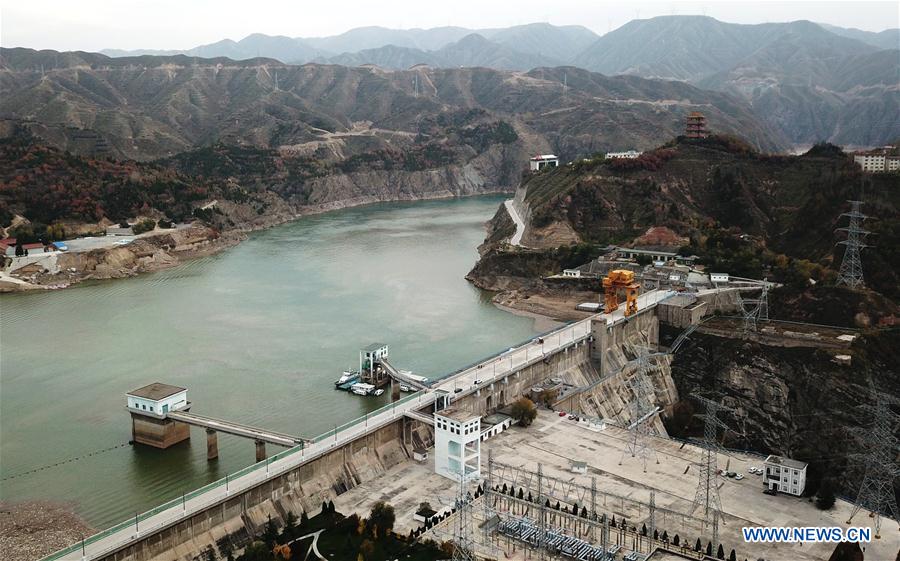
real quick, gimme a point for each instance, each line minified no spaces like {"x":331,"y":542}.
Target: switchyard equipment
{"x":620,"y":280}
{"x":579,"y":516}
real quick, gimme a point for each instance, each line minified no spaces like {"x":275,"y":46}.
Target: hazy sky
{"x":92,"y":25}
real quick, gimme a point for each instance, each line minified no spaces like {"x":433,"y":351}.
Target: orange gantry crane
{"x":620,"y":280}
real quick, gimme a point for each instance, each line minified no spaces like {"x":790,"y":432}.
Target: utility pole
{"x":876,"y":492}
{"x":851,"y":271}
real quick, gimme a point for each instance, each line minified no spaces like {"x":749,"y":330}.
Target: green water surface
{"x":257,"y":334}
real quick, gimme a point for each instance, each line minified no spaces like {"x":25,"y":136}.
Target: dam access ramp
{"x":238,"y":429}
{"x":401,"y":377}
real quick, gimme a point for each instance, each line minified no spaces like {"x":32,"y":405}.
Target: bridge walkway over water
{"x":400,"y":377}
{"x":238,"y":429}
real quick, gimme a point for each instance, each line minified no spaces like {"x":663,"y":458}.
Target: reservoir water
{"x":257,"y":334}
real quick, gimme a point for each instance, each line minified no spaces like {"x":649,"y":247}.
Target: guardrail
{"x":515,"y":346}
{"x":367,"y":416}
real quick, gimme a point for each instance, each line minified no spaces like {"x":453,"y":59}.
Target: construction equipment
{"x":282,"y":551}
{"x":620,"y":280}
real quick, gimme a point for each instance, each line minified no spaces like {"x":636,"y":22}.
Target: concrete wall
{"x":302,"y":489}
{"x":503,"y":392}
{"x":610,"y":344}
{"x":160,"y":433}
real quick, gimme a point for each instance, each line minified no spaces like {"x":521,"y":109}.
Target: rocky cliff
{"x":797,"y":401}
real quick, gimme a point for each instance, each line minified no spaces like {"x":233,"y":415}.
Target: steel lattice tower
{"x":757,"y":309}
{"x":876,"y":493}
{"x":851,"y":272}
{"x":707,"y":496}
{"x":463,"y":543}
{"x":639,"y":443}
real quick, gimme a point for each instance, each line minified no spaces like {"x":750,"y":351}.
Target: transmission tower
{"x":463,"y":544}
{"x":756,"y":309}
{"x":876,"y":493}
{"x":707,"y":496}
{"x":639,"y":443}
{"x":851,"y":272}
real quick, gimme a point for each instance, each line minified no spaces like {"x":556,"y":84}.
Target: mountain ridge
{"x":781,"y":69}
{"x":151,"y":107}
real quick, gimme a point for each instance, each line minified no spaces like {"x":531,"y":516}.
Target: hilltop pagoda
{"x":695,"y":126}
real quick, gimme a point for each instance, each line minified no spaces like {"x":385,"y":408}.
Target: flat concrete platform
{"x":556,"y":442}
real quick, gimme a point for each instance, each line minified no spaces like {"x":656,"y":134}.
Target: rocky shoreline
{"x":162,"y":249}
{"x":34,"y":529}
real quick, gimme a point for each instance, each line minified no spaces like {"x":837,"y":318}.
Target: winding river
{"x":256,"y":333}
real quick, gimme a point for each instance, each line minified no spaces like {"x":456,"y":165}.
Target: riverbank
{"x":34,"y":529}
{"x":163,"y":248}
{"x":547,"y":305}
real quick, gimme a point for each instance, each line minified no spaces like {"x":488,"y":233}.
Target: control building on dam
{"x":587,"y":367}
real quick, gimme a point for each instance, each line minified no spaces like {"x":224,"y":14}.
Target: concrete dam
{"x":592,"y":356}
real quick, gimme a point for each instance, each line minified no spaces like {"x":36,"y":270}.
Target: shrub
{"x":825,"y":496}
{"x":524,"y":411}
{"x":143,"y":226}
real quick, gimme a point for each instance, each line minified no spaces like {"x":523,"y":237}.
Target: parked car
{"x":562,"y":413}
{"x":739,"y":476}
{"x":730,"y":474}
{"x":477,"y":382}
{"x":768,"y":491}
{"x":457,"y":390}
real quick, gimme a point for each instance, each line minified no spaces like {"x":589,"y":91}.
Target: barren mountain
{"x":808,"y":82}
{"x":149,"y":107}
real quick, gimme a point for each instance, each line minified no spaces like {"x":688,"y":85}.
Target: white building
{"x":718,"y":277}
{"x":541,"y":161}
{"x":371,"y":355}
{"x":653,"y":255}
{"x":572,"y":273}
{"x":892,"y":163}
{"x":157,"y":399}
{"x":457,"y":444}
{"x":494,"y":424}
{"x":785,"y":475}
{"x":876,"y":162}
{"x":870,"y":162}
{"x":629,"y":155}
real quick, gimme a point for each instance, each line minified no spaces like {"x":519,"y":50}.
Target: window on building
{"x":151,"y":408}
